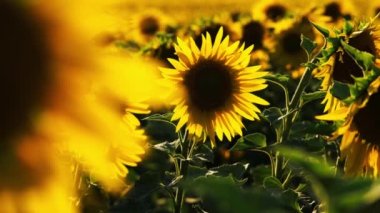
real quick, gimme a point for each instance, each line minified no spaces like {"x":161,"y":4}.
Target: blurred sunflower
{"x":360,"y":145}
{"x":286,"y":51}
{"x":55,"y":113}
{"x":147,"y":23}
{"x":341,"y":67}
{"x":255,"y":33}
{"x":102,"y":94}
{"x":214,"y":87}
{"x":338,"y":10}
{"x":273,"y":13}
{"x":212,"y":26}
{"x":33,"y":178}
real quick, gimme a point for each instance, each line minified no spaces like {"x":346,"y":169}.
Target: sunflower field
{"x":189,"y":106}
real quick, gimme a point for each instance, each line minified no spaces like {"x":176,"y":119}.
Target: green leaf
{"x":313,"y":164}
{"x":304,"y":128}
{"x":314,"y":144}
{"x":250,"y":141}
{"x":290,"y":197}
{"x":235,"y":170}
{"x":340,"y":90}
{"x":159,"y":117}
{"x":364,"y":59}
{"x":307,"y":97}
{"x":203,"y":154}
{"x":345,"y":194}
{"x":224,"y":195}
{"x":332,"y":46}
{"x":325,"y":32}
{"x":259,"y":173}
{"x":272,"y":183}
{"x":279,"y":79}
{"x":308,"y":45}
{"x":167,"y":146}
{"x":194,"y":172}
{"x":361,"y":84}
{"x":274,"y":116}
{"x":347,"y":27}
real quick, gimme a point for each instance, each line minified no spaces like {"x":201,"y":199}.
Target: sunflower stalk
{"x":186,"y":151}
{"x":293,"y":112}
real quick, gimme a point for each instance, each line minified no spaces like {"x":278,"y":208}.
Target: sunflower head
{"x":145,"y":25}
{"x":286,"y":50}
{"x":360,"y":145}
{"x":212,"y":26}
{"x":214,"y":84}
{"x":343,"y":68}
{"x":253,"y":33}
{"x":337,"y":11}
{"x":367,"y":40}
{"x":25,"y":69}
{"x":273,"y":10}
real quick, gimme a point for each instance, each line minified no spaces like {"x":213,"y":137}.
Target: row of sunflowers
{"x":191,"y":106}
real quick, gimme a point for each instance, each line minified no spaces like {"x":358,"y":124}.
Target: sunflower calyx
{"x":349,"y":93}
{"x":340,"y":90}
{"x":364,"y":59}
{"x":325,"y":32}
{"x":308,"y":45}
{"x":331,"y":47}
{"x":347,"y":27}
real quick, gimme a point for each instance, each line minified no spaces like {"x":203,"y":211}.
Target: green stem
{"x":289,"y":119}
{"x":286,"y":93}
{"x":184,"y":164}
{"x":296,"y":98}
{"x":287,"y":179}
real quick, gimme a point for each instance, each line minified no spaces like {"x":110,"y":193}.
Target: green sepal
{"x":308,"y":45}
{"x":364,"y":59}
{"x":325,"y":32}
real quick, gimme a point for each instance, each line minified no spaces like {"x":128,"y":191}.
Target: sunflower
{"x":338,"y":10}
{"x":273,"y":13}
{"x":147,"y":23}
{"x":255,"y":33}
{"x":57,"y":114}
{"x":341,"y":67}
{"x":98,"y":107}
{"x":212,"y":26}
{"x":360,"y":146}
{"x":286,"y":51}
{"x":214,"y":87}
{"x":32,"y":177}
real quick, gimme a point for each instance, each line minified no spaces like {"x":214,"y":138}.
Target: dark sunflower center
{"x":24,"y":69}
{"x":343,"y":69}
{"x":253,"y":33}
{"x":235,"y":16}
{"x":364,"y":42}
{"x":367,"y":120}
{"x":292,"y":42}
{"x":149,"y":26}
{"x":333,"y":10}
{"x":209,"y":84}
{"x":275,"y":12}
{"x":212,"y":30}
